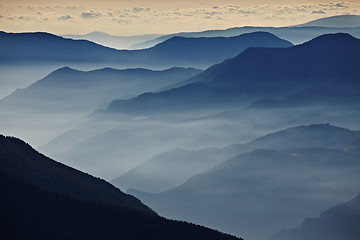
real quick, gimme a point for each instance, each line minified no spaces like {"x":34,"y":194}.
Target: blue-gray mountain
{"x":70,"y":90}
{"x":339,"y":222}
{"x":339,"y":21}
{"x":254,"y":193}
{"x":189,"y":52}
{"x":171,"y":169}
{"x":44,"y":199}
{"x":332,"y":94}
{"x":296,"y":34}
{"x":117,"y":42}
{"x":259,"y":73}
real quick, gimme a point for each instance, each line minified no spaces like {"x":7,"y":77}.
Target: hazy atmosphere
{"x":180,"y":119}
{"x":125,"y":17}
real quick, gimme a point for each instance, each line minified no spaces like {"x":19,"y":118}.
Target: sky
{"x":136,"y":17}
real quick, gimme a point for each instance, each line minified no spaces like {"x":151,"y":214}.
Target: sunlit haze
{"x":127,"y":17}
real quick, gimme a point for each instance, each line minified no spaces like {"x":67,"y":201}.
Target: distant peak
{"x":332,"y":37}
{"x":65,"y":69}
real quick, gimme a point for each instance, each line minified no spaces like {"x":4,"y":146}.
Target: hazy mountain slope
{"x":339,"y":222}
{"x":335,"y":93}
{"x":68,"y":90}
{"x":255,"y":193}
{"x":170,"y":169}
{"x":257,"y":73}
{"x":175,"y":52}
{"x":334,"y":21}
{"x":117,"y":42}
{"x":42,"y":198}
{"x":315,"y":135}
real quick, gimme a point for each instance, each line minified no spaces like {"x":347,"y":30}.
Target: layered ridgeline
{"x":177,"y":51}
{"x":170,"y":169}
{"x":257,"y":73}
{"x":44,"y":199}
{"x":117,"y":42}
{"x":291,"y":175}
{"x":296,"y":34}
{"x":339,"y":222}
{"x":70,"y":90}
{"x":338,"y":21}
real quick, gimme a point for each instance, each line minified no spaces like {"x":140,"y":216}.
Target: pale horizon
{"x":127,"y":18}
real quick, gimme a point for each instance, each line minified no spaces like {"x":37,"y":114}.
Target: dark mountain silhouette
{"x":257,"y":73}
{"x":71,"y":90}
{"x":296,"y":34}
{"x":117,"y":42}
{"x":339,"y":21}
{"x":259,"y":192}
{"x":40,"y":46}
{"x":339,"y":222}
{"x":23,"y":162}
{"x":189,"y":52}
{"x":44,"y":199}
{"x":170,"y":169}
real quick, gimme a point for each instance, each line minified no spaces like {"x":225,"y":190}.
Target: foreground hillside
{"x":44,"y":199}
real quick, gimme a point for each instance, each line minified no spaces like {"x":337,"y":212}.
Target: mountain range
{"x":296,"y":34}
{"x":117,"y":42}
{"x":332,"y":94}
{"x":68,"y":90}
{"x":255,"y":193}
{"x":170,"y":169}
{"x":258,"y":73}
{"x":42,"y":198}
{"x":175,"y":52}
{"x":339,"y":21}
{"x":241,"y":146}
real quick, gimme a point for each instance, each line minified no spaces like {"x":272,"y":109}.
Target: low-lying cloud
{"x":91,"y":15}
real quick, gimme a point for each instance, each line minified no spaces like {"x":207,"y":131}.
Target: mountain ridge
{"x":257,"y":73}
{"x":186,"y":53}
